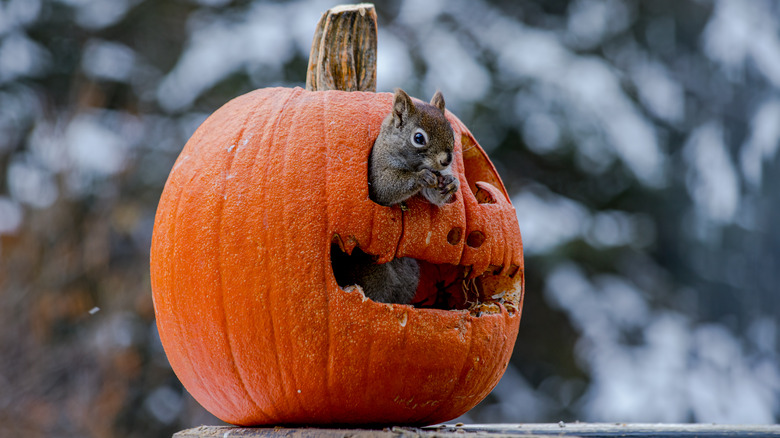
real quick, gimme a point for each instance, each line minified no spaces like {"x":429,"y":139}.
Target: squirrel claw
{"x":448,"y":190}
{"x":429,"y":178}
{"x":447,"y":184}
{"x":447,"y":187}
{"x":444,"y":180}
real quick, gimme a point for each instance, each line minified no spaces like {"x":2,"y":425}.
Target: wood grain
{"x":343,"y":51}
{"x":605,"y":430}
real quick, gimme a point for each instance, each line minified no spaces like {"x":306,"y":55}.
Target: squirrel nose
{"x":446,"y":159}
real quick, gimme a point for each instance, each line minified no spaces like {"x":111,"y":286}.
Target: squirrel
{"x":412,"y":154}
{"x":392,"y":282}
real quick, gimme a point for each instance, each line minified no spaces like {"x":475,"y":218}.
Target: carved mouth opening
{"x":443,"y":286}
{"x":447,"y":286}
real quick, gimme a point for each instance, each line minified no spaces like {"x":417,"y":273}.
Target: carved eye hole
{"x":419,"y":138}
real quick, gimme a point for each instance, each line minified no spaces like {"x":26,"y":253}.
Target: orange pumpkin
{"x":248,"y":310}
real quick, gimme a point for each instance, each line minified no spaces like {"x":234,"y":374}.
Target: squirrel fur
{"x":392,"y":282}
{"x":413,"y":153}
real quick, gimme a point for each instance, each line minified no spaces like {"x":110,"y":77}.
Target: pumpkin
{"x":248,"y":310}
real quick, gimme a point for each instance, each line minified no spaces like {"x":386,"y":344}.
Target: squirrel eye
{"x":419,"y":138}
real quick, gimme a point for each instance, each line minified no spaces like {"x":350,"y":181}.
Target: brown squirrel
{"x":412,"y":154}
{"x":391,"y":282}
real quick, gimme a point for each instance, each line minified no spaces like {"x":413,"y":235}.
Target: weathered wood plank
{"x":593,"y":430}
{"x":623,"y":430}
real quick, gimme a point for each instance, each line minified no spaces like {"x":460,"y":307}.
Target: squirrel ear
{"x":402,"y":107}
{"x":438,"y":101}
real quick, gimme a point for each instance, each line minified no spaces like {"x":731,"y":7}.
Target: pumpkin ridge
{"x":368,"y":197}
{"x":259,"y":167}
{"x":287,"y":113}
{"x":369,"y":363}
{"x":220,"y":227}
{"x":433,"y":415}
{"x":190,"y":174}
{"x":308,"y":170}
{"x":330,"y":379}
{"x":187,"y":352}
{"x":505,"y":355}
{"x":327,"y":174}
{"x":276,"y":126}
{"x":220,"y":194}
{"x":330,"y":363}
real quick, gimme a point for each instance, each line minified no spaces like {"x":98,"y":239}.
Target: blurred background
{"x":638,"y":140}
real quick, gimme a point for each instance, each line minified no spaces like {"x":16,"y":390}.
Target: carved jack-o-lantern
{"x":248,"y":309}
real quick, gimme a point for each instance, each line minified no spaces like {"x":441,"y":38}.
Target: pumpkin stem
{"x":343,"y":51}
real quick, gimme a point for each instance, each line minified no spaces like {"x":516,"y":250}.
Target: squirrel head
{"x":423,"y":129}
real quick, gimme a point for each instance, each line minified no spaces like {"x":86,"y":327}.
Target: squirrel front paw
{"x":447,"y":185}
{"x":442,"y":193}
{"x":427,"y":178}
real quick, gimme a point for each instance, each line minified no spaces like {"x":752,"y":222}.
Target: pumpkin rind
{"x":249,"y":313}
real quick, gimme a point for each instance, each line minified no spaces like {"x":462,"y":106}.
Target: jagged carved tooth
{"x":336,"y":239}
{"x":351,"y":244}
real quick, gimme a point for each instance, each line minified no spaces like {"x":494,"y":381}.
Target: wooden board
{"x":494,"y":431}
